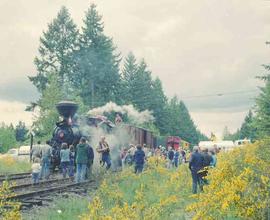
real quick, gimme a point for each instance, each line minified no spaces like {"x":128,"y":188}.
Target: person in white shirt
{"x":36,"y":168}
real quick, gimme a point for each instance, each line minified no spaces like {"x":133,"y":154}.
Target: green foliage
{"x":10,"y":165}
{"x":48,"y":113}
{"x":55,"y":51}
{"x":63,"y":209}
{"x":263,"y":111}
{"x":20,"y":132}
{"x":144,"y":92}
{"x":181,"y":123}
{"x":84,"y":67}
{"x":7,"y":138}
{"x":248,"y":129}
{"x":96,"y":73}
{"x":202,"y":137}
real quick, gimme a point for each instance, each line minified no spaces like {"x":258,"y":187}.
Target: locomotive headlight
{"x":61,"y":134}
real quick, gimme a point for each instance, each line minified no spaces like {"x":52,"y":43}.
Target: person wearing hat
{"x":104,"y":150}
{"x":195,"y":165}
{"x":139,"y":157}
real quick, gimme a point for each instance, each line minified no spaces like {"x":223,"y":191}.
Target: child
{"x":128,"y":158}
{"x":36,"y":168}
{"x":71,"y":161}
{"x":64,"y":156}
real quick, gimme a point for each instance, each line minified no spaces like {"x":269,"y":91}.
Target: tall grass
{"x":63,"y":209}
{"x":157,"y":193}
{"x":10,"y":165}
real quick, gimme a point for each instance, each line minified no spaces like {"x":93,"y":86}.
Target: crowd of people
{"x":199,"y":163}
{"x":81,"y":160}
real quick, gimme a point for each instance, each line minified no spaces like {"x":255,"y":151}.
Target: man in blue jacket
{"x":139,"y":159}
{"x":195,"y":164}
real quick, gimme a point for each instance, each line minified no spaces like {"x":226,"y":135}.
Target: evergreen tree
{"x":44,"y":124}
{"x":7,"y":138}
{"x":159,"y":107}
{"x":262,"y":121}
{"x":128,"y":75}
{"x":20,"y":132}
{"x":141,"y":88}
{"x":180,"y":122}
{"x":55,"y":51}
{"x":97,"y":64}
{"x":248,"y":129}
{"x":226,"y":134}
{"x":201,"y":136}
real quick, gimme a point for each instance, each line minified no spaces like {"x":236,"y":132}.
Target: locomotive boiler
{"x":65,"y":131}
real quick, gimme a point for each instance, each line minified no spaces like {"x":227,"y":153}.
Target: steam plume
{"x":134,"y":116}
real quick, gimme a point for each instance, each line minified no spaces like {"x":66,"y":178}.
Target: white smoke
{"x":134,"y":116}
{"x":117,"y":139}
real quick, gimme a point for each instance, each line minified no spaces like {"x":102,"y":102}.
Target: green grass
{"x":9,"y":165}
{"x":62,"y":209}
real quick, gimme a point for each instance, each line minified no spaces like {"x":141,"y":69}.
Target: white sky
{"x":196,"y":48}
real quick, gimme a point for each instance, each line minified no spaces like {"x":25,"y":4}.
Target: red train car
{"x":174,"y":142}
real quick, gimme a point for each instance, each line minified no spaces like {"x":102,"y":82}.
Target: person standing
{"x":118,"y":120}
{"x":46,"y":152}
{"x":195,"y":164}
{"x":176,"y":158}
{"x":65,"y":159}
{"x":207,"y":159}
{"x":35,"y":151}
{"x":36,"y":170}
{"x":104,"y":149}
{"x":170,"y":157}
{"x":90,"y":161}
{"x":139,"y":157}
{"x":81,"y":160}
{"x":214,"y":159}
{"x":71,"y":161}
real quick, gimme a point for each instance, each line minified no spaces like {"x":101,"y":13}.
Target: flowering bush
{"x":157,"y":193}
{"x":239,"y":187}
{"x":9,"y":210}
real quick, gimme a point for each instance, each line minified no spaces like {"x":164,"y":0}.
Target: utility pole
{"x":92,"y":93}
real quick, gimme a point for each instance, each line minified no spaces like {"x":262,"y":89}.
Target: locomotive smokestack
{"x":67,"y":109}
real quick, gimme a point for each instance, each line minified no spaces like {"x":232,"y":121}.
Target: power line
{"x":220,"y":94}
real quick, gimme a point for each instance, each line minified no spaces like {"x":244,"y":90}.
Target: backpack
{"x":171,"y":155}
{"x":129,"y":159}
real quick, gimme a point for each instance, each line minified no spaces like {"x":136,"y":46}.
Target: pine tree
{"x":262,"y":121}
{"x":20,"y":132}
{"x":141,"y":88}
{"x":128,"y":75}
{"x":44,"y":124}
{"x":180,"y":122}
{"x":55,"y":51}
{"x":248,"y":129}
{"x":7,"y":138}
{"x":97,"y":64}
{"x":159,"y":107}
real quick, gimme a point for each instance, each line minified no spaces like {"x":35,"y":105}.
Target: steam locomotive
{"x":69,"y":130}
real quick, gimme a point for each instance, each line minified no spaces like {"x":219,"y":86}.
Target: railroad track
{"x":29,"y":195}
{"x":14,"y":176}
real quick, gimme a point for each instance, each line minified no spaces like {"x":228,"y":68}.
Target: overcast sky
{"x":197,"y":48}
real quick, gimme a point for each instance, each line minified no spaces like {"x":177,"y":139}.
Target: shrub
{"x":10,"y":165}
{"x":239,"y":186}
{"x":9,"y":210}
{"x":157,"y":193}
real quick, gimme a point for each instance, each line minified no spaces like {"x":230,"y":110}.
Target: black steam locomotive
{"x":69,"y":129}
